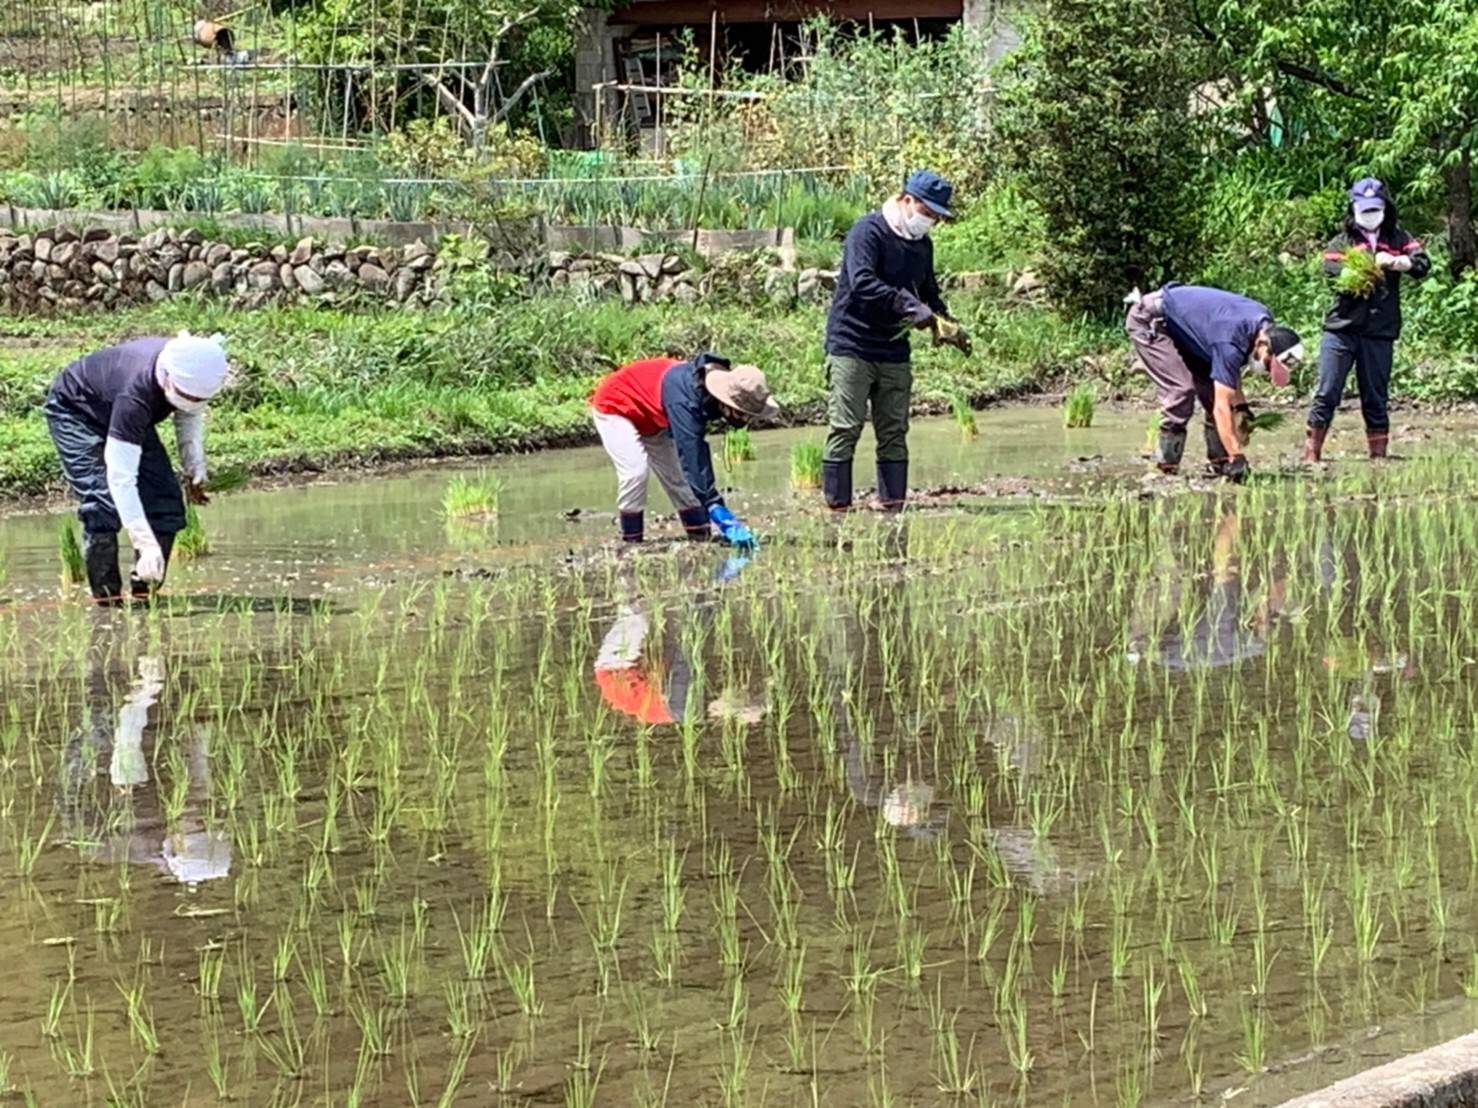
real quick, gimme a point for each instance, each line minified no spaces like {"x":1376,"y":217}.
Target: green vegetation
{"x":1267,"y":422}
{"x":1077,"y":409}
{"x":74,"y":567}
{"x":192,"y":543}
{"x":805,"y":465}
{"x":1359,"y":274}
{"x":319,"y":386}
{"x":738,"y":446}
{"x":964,"y":416}
{"x":469,"y":497}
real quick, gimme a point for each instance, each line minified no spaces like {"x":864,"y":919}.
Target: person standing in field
{"x":886,"y":286}
{"x":1196,"y":342}
{"x":102,"y":412}
{"x":1362,"y":327}
{"x":652,"y":416}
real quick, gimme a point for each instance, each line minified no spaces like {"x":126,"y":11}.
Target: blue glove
{"x":734,"y":532}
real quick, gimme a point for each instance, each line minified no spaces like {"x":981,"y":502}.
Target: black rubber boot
{"x":695,"y":523}
{"x":836,"y":485}
{"x":100,"y":554}
{"x":892,"y":485}
{"x":142,"y":590}
{"x":1216,"y":453}
{"x":633,"y":526}
{"x":1169,"y":449}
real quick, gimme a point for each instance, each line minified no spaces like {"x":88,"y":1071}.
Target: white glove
{"x":189,"y":430}
{"x":1401,"y":263}
{"x":150,"y":567}
{"x":122,"y":461}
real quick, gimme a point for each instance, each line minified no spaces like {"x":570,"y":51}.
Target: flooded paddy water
{"x":1074,"y":788}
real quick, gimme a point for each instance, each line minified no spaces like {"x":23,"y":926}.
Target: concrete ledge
{"x":1444,"y":1077}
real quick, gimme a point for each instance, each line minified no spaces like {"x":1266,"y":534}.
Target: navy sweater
{"x":886,"y":286}
{"x":116,"y":390}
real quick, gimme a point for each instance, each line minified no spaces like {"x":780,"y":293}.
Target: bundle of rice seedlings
{"x":1359,"y":275}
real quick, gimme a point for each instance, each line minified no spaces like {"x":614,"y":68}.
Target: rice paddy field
{"x":1073,"y":787}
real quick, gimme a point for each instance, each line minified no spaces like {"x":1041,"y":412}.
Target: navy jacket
{"x":886,"y":286}
{"x":1377,"y":316}
{"x":690,"y":409}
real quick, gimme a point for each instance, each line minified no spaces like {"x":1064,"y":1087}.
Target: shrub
{"x":1095,"y":115}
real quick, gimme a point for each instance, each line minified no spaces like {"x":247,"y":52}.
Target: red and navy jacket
{"x":1377,"y":316}
{"x":666,"y":396}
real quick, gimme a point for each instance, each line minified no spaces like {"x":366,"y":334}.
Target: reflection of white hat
{"x":737,"y":708}
{"x":908,"y":805}
{"x":196,"y":856}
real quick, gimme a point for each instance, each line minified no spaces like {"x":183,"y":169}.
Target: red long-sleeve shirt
{"x":635,"y":392}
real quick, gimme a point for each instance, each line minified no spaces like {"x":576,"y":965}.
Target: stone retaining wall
{"x":65,"y":268}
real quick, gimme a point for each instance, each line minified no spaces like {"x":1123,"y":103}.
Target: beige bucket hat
{"x":743,"y":388}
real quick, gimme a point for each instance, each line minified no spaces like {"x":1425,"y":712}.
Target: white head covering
{"x":194,"y":365}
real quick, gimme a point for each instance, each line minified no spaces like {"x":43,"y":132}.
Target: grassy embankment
{"x":330,"y":387}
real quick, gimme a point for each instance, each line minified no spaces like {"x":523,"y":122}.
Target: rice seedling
{"x":963,"y":415}
{"x":227,"y":480}
{"x":69,"y":545}
{"x":191,"y":542}
{"x":471,"y":497}
{"x":1077,"y":409}
{"x":805,"y":465}
{"x":140,"y":1017}
{"x":738,"y":446}
{"x":1267,"y":422}
{"x":1359,"y":274}
{"x":376,"y":1026}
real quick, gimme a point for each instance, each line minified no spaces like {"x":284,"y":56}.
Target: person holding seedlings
{"x":886,"y":287}
{"x":652,"y":415}
{"x":1367,"y":260}
{"x":102,"y":411}
{"x":1195,"y":343}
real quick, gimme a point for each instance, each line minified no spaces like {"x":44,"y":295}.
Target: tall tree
{"x":1388,"y":85}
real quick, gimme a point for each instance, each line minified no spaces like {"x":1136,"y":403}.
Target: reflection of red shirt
{"x":632,"y":693}
{"x":635,"y":392}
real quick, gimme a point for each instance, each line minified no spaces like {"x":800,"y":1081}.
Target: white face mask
{"x":1371,"y":220}
{"x":918,"y":225}
{"x":182,"y":404}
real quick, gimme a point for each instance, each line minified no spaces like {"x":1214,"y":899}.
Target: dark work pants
{"x":79,"y":445}
{"x":1371,"y":360}
{"x":857,"y":387}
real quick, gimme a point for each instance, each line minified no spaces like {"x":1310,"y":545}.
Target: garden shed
{"x":627,"y":55}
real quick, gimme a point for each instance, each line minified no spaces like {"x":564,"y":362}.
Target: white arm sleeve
{"x":122,"y":460}
{"x":189,"y":430}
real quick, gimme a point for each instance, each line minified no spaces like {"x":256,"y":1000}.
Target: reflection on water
{"x":133,"y":821}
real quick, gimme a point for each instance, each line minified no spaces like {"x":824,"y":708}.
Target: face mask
{"x":1372,"y":220}
{"x":180,"y":403}
{"x":918,"y":225}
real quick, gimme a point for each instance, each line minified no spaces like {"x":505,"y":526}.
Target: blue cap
{"x":1368,"y":194}
{"x":931,"y":190}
